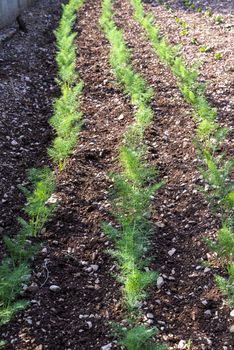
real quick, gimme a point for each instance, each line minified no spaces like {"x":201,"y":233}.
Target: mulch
{"x":73,"y":256}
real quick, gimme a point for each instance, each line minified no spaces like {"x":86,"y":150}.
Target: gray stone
{"x":33,"y":287}
{"x":171,"y":251}
{"x":55,"y":288}
{"x":94,"y":267}
{"x":106,"y":347}
{"x":160,"y":282}
{"x":181,"y":344}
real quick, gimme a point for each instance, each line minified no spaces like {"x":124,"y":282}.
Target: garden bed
{"x":186,"y":306}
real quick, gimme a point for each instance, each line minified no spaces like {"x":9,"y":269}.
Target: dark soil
{"x":188,"y":306}
{"x":27,"y":89}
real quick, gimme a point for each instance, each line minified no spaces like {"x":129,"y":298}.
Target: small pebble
{"x":207,"y":312}
{"x":106,"y":347}
{"x":207,"y":269}
{"x":160,"y":282}
{"x":94,"y":267}
{"x":33,"y":287}
{"x":44,"y":251}
{"x":171,"y":251}
{"x":54,"y":288}
{"x":149,"y":321}
{"x":89,"y":324}
{"x":181,"y":344}
{"x":29,"y":320}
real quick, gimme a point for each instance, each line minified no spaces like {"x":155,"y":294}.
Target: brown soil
{"x":188,"y":305}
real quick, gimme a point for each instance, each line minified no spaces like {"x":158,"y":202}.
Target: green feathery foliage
{"x":132,"y":190}
{"x":38,"y":211}
{"x":131,"y":198}
{"x":66,"y":54}
{"x":224,"y":245}
{"x":11,"y":279}
{"x":66,"y":122}
{"x":226,"y":285}
{"x":14,"y":270}
{"x":140,"y":338}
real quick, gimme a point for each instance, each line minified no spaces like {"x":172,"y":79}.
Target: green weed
{"x":218,"y":19}
{"x":208,"y":13}
{"x":217,"y":56}
{"x":204,"y":49}
{"x":2,"y":344}
{"x":226,"y":285}
{"x":194,"y":41}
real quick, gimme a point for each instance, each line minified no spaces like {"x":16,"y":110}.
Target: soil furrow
{"x":188,"y":306}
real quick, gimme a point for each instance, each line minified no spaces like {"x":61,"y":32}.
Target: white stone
{"x":182,"y":344}
{"x":161,"y":322}
{"x":207,"y":312}
{"x":160,"y":282}
{"x":149,"y":315}
{"x":207,"y":269}
{"x":121,"y":117}
{"x":44,"y":251}
{"x":14,"y":143}
{"x":89,"y":324}
{"x":53,"y":199}
{"x":232,"y":328}
{"x":106,"y":347}
{"x":54,"y":288}
{"x":29,"y":320}
{"x":149,"y":321}
{"x":171,"y":251}
{"x":232,"y":313}
{"x":94,"y":267}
